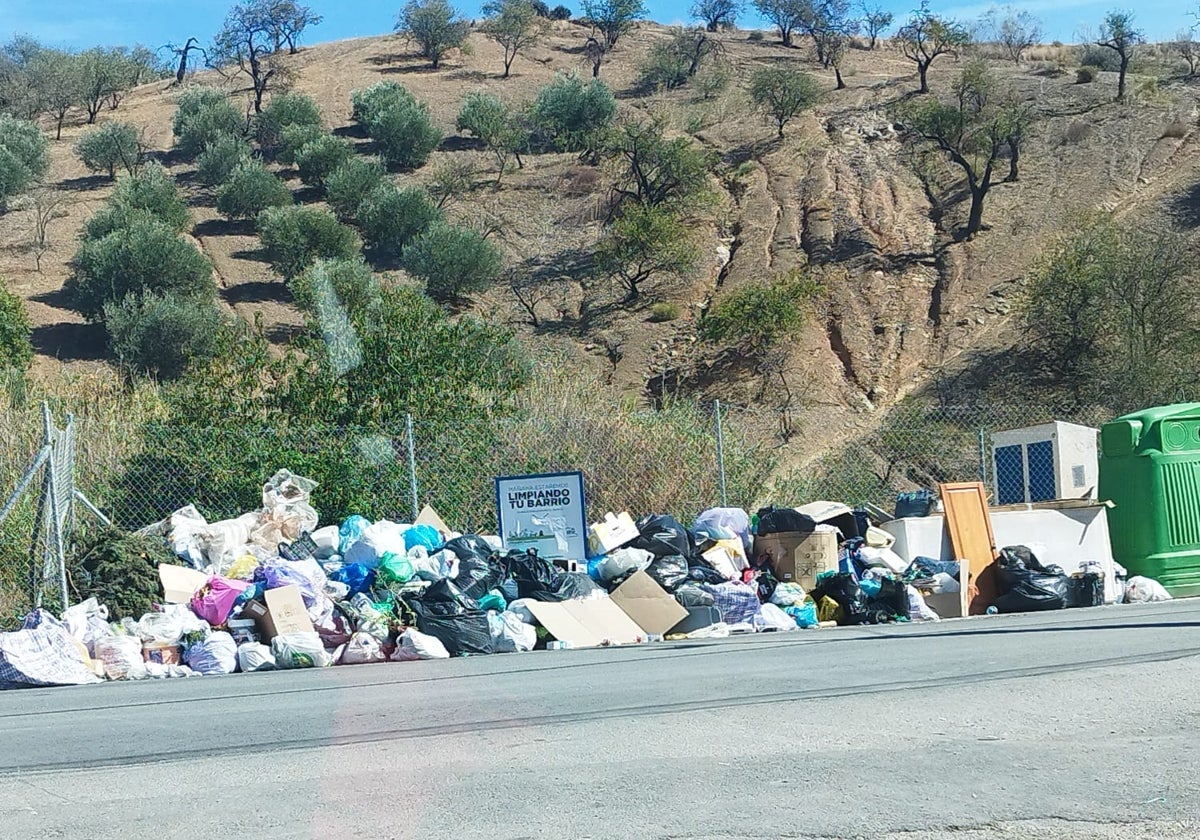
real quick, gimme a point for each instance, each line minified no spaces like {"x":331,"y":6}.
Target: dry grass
{"x":1176,"y":130}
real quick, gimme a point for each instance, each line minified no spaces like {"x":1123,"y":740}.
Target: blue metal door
{"x":1010,"y":475}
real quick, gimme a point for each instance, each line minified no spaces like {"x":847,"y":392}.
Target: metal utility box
{"x":1043,"y":463}
{"x":1150,"y":471}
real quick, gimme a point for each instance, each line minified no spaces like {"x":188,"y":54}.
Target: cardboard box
{"x":798,"y":557}
{"x":180,"y":583}
{"x":649,"y":605}
{"x":614,"y":532}
{"x":163,"y":654}
{"x":589,"y":623}
{"x":282,"y":613}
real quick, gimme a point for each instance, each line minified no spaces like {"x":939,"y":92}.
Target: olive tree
{"x":875,"y":21}
{"x":111,"y":145}
{"x":452,"y":260}
{"x":24,"y":157}
{"x":927,"y":36}
{"x":645,"y":243}
{"x":1118,"y":34}
{"x":514,"y":25}
{"x":613,"y":17}
{"x":250,"y":189}
{"x":501,"y":129}
{"x":783,"y":93}
{"x":717,"y":14}
{"x":434,"y":26}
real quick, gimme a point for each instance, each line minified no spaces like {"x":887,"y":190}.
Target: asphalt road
{"x":1079,"y":724}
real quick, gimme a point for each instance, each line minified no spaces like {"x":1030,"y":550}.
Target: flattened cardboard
{"x":649,"y":605}
{"x":430,"y":517}
{"x":180,"y":583}
{"x":587,"y":623}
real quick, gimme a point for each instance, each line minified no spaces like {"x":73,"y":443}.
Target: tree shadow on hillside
{"x":252,"y":254}
{"x":258,"y":291}
{"x":58,"y":298}
{"x":1186,"y":206}
{"x":284,"y":333}
{"x":71,"y":342}
{"x":458,"y":143}
{"x":86,"y":183}
{"x":224,"y":227}
{"x":353,"y":131}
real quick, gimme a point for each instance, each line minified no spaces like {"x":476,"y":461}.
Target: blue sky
{"x":84,"y":23}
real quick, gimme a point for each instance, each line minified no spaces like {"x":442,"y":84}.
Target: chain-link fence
{"x":680,"y":459}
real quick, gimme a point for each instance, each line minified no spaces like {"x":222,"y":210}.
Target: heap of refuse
{"x":272,"y":590}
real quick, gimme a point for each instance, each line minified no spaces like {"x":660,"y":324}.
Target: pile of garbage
{"x":272,"y":590}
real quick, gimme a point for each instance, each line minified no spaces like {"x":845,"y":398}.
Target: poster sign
{"x":545,"y":512}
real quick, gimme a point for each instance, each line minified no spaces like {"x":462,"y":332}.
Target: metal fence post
{"x":983,"y":471}
{"x":412,"y":465}
{"x":721,"y":454}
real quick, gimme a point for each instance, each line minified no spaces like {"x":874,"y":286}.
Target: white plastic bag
{"x":87,"y":621}
{"x":170,"y":625}
{"x":884,"y":557}
{"x":771,"y":617}
{"x":362,"y":648}
{"x":217,"y":654}
{"x":223,"y":542}
{"x":377,"y":540}
{"x":327,"y":542}
{"x":1142,"y":590}
{"x":299,"y":650}
{"x":788,"y":594}
{"x":254,"y":656}
{"x":285,"y":487}
{"x":159,"y":671}
{"x":413,"y":645}
{"x":122,"y":657}
{"x":918,"y":610}
{"x":521,"y":611}
{"x":622,"y":562}
{"x":510,"y":634}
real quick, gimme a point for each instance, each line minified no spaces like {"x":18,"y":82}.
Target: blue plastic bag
{"x":351,"y":531}
{"x":356,"y":576}
{"x":425,"y":536}
{"x":805,"y":615}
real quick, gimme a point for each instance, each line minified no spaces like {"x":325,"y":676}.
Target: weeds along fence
{"x":680,"y":459}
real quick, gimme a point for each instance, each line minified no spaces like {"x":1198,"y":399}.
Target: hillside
{"x":904,"y":297}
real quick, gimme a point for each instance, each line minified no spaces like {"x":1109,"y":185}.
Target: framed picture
{"x":546,"y":512}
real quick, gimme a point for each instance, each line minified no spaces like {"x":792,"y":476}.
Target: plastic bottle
{"x":993,"y":611}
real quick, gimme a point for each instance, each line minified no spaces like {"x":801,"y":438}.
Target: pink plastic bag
{"x":215,"y":601}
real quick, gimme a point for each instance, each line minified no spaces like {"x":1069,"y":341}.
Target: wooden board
{"x":970,"y":530}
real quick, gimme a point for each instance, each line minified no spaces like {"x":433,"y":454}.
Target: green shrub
{"x":644,"y":244}
{"x":569,"y":112}
{"x":295,"y":138}
{"x":560,"y":13}
{"x":405,"y":135}
{"x":665,"y":66}
{"x":161,"y":335}
{"x":348,"y":186}
{"x":284,"y":111}
{"x":218,"y":160}
{"x":120,"y":570}
{"x":368,"y":104}
{"x":1086,"y":75}
{"x":250,"y":190}
{"x":501,"y":129}
{"x":760,"y":314}
{"x":201,"y":117}
{"x":391,"y":217}
{"x":112,"y":145}
{"x":1101,"y":58}
{"x":24,"y":156}
{"x":318,"y":158}
{"x":144,"y":257}
{"x":435,"y":27}
{"x":452,"y":260}
{"x":661,"y":312}
{"x":150,"y":194}
{"x":754,"y":35}
{"x":295,"y":237}
{"x":16,"y":353}
{"x":346,"y":283}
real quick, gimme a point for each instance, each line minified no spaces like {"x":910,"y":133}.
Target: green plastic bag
{"x":394,"y":568}
{"x":493,"y":601}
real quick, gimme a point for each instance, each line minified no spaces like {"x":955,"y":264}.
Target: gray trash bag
{"x":215,"y":655}
{"x":254,"y":656}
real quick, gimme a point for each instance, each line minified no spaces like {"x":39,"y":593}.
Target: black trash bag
{"x":478,"y":577}
{"x":892,"y":598}
{"x":663,"y":536}
{"x":1034,"y":593}
{"x":704,"y":573}
{"x":691,"y":595}
{"x":464,"y":634}
{"x":773,"y":520}
{"x":536,"y":576}
{"x":669,"y":571}
{"x":843,"y":588}
{"x":766,"y":585}
{"x":917,"y":503}
{"x":577,"y":585}
{"x":440,"y":598}
{"x":1085,"y":590}
{"x":470,"y":546}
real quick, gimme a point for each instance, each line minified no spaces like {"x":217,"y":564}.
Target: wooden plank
{"x":970,"y":530}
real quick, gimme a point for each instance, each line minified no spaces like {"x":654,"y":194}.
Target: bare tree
{"x":594,"y":51}
{"x":288,"y":20}
{"x":1118,"y":34}
{"x":183,"y":54}
{"x":1189,"y":50}
{"x":247,"y":41}
{"x":875,"y":20}
{"x":45,"y":205}
{"x":1014,"y":30}
{"x":717,"y":14}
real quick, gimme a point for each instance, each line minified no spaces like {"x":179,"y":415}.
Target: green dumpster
{"x":1150,"y":471}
